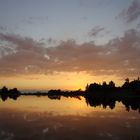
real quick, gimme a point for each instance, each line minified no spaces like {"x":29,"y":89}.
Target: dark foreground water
{"x":42,"y":118}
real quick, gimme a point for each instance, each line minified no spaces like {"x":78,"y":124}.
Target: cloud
{"x":95,"y":31}
{"x":120,"y":56}
{"x":23,"y":55}
{"x":132,"y":12}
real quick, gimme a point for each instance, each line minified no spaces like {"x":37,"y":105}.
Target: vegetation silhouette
{"x":6,"y":93}
{"x":95,"y":94}
{"x":109,"y":94}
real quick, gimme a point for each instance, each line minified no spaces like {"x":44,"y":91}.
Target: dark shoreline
{"x":94,"y":94}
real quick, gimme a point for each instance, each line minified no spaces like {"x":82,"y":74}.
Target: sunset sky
{"x":66,"y":44}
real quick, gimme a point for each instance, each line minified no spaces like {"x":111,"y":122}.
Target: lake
{"x":67,"y":118}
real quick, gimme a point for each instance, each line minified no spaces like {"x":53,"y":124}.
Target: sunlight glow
{"x":64,"y":81}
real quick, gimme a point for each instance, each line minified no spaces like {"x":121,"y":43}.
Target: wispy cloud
{"x":119,"y":56}
{"x":95,"y":31}
{"x":132,"y":12}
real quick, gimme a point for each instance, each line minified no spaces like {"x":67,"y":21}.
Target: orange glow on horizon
{"x":64,"y":81}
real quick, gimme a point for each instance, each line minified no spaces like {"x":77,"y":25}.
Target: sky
{"x":66,"y":44}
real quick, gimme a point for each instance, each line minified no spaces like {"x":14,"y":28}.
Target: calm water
{"x":42,"y":118}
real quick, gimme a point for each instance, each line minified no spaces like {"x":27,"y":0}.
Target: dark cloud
{"x":132,"y":12}
{"x":120,"y":56}
{"x":95,"y":31}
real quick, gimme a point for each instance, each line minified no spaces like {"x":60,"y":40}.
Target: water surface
{"x":41,"y":118}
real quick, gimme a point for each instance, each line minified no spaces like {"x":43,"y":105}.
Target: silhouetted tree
{"x":4,"y":90}
{"x":94,"y":87}
{"x":104,"y":84}
{"x":127,"y":80}
{"x":126,"y":84}
{"x":12,"y":93}
{"x":111,"y":84}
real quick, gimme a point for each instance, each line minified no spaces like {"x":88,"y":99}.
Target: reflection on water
{"x":58,"y":117}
